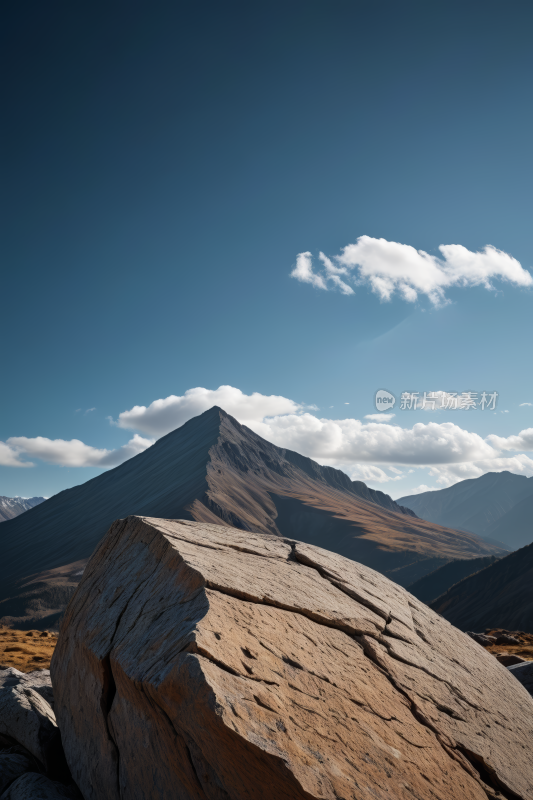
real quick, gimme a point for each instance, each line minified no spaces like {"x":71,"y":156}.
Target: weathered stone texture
{"x":198,"y":662}
{"x":26,"y":716}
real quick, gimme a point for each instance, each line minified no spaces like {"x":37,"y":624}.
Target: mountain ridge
{"x":213,"y":469}
{"x":498,"y":596}
{"x":497,"y":505}
{"x":11,"y":507}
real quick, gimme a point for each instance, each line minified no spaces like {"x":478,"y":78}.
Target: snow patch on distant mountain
{"x":13,"y":506}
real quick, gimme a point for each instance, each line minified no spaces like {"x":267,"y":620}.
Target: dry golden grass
{"x":26,"y":650}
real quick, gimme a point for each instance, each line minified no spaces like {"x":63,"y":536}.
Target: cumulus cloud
{"x":163,"y":416}
{"x":523,"y":441}
{"x":392,"y":268}
{"x":526,"y":404}
{"x":74,"y":453}
{"x":351,"y":440}
{"x":363,"y":449}
{"x":373,"y":450}
{"x":420,"y":489}
{"x":303,"y":271}
{"x":9,"y":457}
{"x":447,"y":475}
{"x":368,"y":473}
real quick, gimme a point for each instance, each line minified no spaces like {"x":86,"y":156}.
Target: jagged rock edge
{"x":454,"y":752}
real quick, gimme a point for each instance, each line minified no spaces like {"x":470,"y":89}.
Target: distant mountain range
{"x":213,"y":469}
{"x":497,"y":506}
{"x":500,"y":596}
{"x":11,"y":507}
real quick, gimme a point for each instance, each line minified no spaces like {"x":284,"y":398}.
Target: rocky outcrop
{"x":32,"y":762}
{"x":26,"y":716}
{"x":197,"y":662}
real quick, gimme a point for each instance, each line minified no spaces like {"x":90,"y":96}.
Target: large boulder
{"x":198,"y":662}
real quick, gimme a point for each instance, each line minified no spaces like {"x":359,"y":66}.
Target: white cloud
{"x":523,"y":441}
{"x":449,"y":474}
{"x":303,"y":271}
{"x":332,"y":273}
{"x":390,"y":267}
{"x":372,"y":450}
{"x":368,"y":473}
{"x":360,"y":448}
{"x":74,"y":453}
{"x":352,"y":441}
{"x":9,"y":457}
{"x":163,"y":416}
{"x":526,"y":404}
{"x":420,"y":489}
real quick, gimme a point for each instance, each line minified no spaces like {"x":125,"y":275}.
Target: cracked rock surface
{"x":199,"y":662}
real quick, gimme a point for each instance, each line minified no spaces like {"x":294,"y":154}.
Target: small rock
{"x":508,"y":660}
{"x":524,"y":673}
{"x":481,"y":638}
{"x":505,"y":638}
{"x":32,"y":786}
{"x":12,"y":766}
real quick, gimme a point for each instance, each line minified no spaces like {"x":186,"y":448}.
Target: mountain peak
{"x":213,"y":469}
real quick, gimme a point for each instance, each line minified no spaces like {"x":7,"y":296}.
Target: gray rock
{"x":508,"y":660}
{"x":200,"y":662}
{"x":26,"y":716}
{"x":12,"y":766}
{"x":505,"y":638}
{"x":524,"y":673}
{"x":39,"y":680}
{"x":481,"y":638}
{"x":32,"y":786}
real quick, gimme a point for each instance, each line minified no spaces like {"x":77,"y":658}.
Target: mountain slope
{"x":480,"y":505}
{"x":11,"y":507}
{"x":213,"y":469}
{"x":500,"y":596}
{"x":440,"y":580}
{"x":516,"y":526}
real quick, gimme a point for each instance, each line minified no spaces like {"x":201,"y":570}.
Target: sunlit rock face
{"x":197,"y":661}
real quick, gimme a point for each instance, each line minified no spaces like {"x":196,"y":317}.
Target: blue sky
{"x":163,"y":166}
